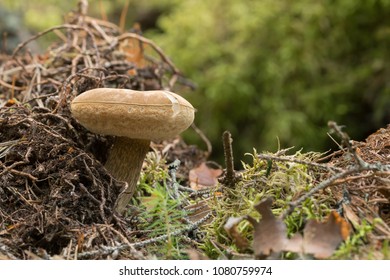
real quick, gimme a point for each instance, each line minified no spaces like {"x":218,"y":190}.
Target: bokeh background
{"x":272,"y":72}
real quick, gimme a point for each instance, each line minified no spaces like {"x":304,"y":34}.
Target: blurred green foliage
{"x":273,"y":68}
{"x":39,"y":15}
{"x":42,"y":14}
{"x":269,"y":71}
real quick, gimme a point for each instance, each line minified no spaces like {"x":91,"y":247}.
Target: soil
{"x":55,"y":194}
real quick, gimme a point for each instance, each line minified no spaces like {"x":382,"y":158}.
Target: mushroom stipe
{"x":136,"y":118}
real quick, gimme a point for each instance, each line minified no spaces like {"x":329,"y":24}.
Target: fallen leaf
{"x":295,"y":244}
{"x":321,"y":239}
{"x":134,"y":52}
{"x":204,"y":177}
{"x":269,"y":233}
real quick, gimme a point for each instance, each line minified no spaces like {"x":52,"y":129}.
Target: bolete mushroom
{"x":135,"y":118}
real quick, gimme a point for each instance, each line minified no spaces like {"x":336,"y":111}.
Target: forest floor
{"x":57,"y":199}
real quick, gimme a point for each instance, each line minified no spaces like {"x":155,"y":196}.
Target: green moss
{"x":281,"y":180}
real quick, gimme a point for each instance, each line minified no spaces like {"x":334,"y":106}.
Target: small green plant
{"x":354,"y":243}
{"x":154,"y":170}
{"x":386,"y":250}
{"x":162,"y":215}
{"x":357,"y":245}
{"x":283,"y":180}
{"x":161,"y":212}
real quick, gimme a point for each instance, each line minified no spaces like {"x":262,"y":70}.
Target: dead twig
{"x":106,"y":250}
{"x":204,"y":138}
{"x":64,"y":26}
{"x":304,"y":162}
{"x":359,"y":166}
{"x":230,"y":178}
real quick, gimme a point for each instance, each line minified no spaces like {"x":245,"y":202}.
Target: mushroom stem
{"x":125,"y":163}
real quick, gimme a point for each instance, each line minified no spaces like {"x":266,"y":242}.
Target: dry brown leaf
{"x":134,"y":51}
{"x":321,"y":239}
{"x":204,"y":177}
{"x":270,"y":233}
{"x":295,"y":244}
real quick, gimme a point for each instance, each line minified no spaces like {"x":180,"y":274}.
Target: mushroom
{"x":135,"y":118}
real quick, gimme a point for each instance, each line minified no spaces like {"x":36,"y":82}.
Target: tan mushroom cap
{"x":153,"y":115}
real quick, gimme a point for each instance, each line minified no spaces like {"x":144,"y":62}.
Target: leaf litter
{"x":56,"y":198}
{"x":319,"y":214}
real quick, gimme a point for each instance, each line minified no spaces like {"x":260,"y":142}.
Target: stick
{"x":360,"y":166}
{"x":230,"y":178}
{"x":64,"y":26}
{"x":313,"y":164}
{"x":109,"y":250}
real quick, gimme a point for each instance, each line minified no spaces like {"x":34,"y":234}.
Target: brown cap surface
{"x":153,"y":115}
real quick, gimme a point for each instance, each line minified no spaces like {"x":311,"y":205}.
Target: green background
{"x":271,"y":72}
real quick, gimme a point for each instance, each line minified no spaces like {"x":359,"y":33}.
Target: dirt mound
{"x":55,"y":194}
